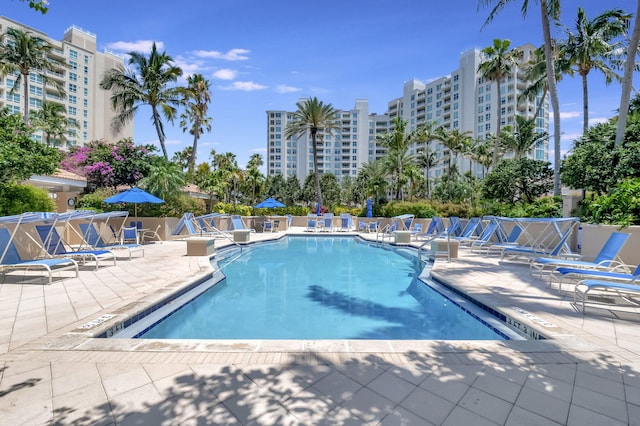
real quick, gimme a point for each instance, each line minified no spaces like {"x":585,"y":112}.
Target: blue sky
{"x":262,"y":55}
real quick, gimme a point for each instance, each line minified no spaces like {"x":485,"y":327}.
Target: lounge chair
{"x":470,"y":229}
{"x":92,"y":238}
{"x":373,"y":226}
{"x":484,"y":238}
{"x":312,"y":222}
{"x":606,"y":258}
{"x":10,"y":259}
{"x":129,"y":235}
{"x":55,"y":246}
{"x":435,"y":228}
{"x":529,"y":252}
{"x":619,"y":273}
{"x":150,"y":233}
{"x":345,"y":222}
{"x":327,"y":222}
{"x":489,"y":246}
{"x":238,"y":224}
{"x":388,"y":230}
{"x":625,"y":290}
{"x":455,"y":227}
{"x":416,"y":230}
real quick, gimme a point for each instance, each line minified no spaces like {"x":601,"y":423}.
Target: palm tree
{"x":397,"y":143}
{"x":426,"y":160}
{"x":426,"y":132}
{"x":53,"y":122}
{"x":25,"y":53}
{"x":254,"y":181}
{"x":536,"y":72}
{"x":197,"y":97}
{"x":522,"y":137}
{"x":498,"y":64}
{"x":148,"y":87}
{"x":165,"y":180}
{"x":627,"y":79}
{"x":255,"y":161}
{"x":592,"y":45}
{"x":375,"y":178}
{"x":549,"y":10}
{"x":312,"y":116}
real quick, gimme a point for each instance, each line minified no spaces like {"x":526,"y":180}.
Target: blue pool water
{"x":321,"y":288}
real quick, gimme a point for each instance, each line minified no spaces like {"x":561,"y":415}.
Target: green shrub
{"x":20,"y":198}
{"x":621,"y":207}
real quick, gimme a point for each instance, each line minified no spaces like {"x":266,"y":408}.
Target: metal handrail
{"x":433,"y":237}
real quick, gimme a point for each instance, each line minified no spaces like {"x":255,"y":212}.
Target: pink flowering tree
{"x":107,"y":165}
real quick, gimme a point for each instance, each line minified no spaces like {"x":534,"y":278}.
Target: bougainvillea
{"x":107,"y":165}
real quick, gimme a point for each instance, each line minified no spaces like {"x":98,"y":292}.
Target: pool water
{"x":321,"y":288}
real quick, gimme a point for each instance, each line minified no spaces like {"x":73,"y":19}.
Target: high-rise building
{"x":84,"y":101}
{"x":340,"y":151}
{"x":462,"y":100}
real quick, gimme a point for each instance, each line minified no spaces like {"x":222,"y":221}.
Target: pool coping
{"x":84,"y":337}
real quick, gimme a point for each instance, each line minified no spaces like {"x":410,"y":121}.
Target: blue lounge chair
{"x":416,"y":230}
{"x":604,"y":259}
{"x":312,"y":222}
{"x":484,"y":238}
{"x":388,"y":230}
{"x":455,"y":227}
{"x":510,"y":241}
{"x":346,"y":222}
{"x":469,"y":229}
{"x":533,"y":252}
{"x":92,"y":238}
{"x":584,"y":288}
{"x":327,"y":222}
{"x":55,"y":246}
{"x":435,"y":228}
{"x":10,"y":259}
{"x":616,"y":274}
{"x":238,"y":224}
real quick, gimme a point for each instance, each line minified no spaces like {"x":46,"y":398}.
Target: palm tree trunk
{"x":192,"y":157}
{"x":156,"y":123}
{"x":316,"y":174}
{"x":553,"y":94}
{"x":25,"y":98}
{"x":499,"y":114}
{"x":541,"y":103}
{"x":627,"y":80}
{"x":585,"y":105}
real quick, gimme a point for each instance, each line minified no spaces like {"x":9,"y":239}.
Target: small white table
{"x":402,"y":237}
{"x":201,"y":246}
{"x":241,"y":235}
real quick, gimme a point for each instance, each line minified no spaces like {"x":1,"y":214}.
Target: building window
{"x":86,"y":81}
{"x":35,"y":90}
{"x":35,"y":102}
{"x":72,"y":99}
{"x":487,"y":127}
{"x":35,"y":78}
{"x":73,"y":88}
{"x":73,"y":65}
{"x":73,"y":111}
{"x":73,"y":76}
{"x":73,"y":54}
{"x":15,"y":97}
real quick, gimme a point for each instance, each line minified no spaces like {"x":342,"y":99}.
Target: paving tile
{"x":448,"y":387}
{"x":498,"y":387}
{"x":251,"y":405}
{"x":579,"y":416}
{"x":126,"y":381}
{"x":403,"y":417}
{"x":69,"y":377}
{"x":337,"y":386}
{"x":599,"y":384}
{"x":550,"y":386}
{"x":391,"y":387}
{"x":634,"y":414}
{"x":544,"y":405}
{"x":462,"y":416}
{"x":27,"y":405}
{"x":603,"y":404}
{"x":362,"y":373}
{"x":521,"y":417}
{"x":369,"y":406}
{"x":485,"y":405}
{"x":428,"y":406}
{"x":309,"y":406}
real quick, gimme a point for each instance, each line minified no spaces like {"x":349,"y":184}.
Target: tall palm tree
{"x":149,"y":86}
{"x":165,"y":180}
{"x":536,"y":72}
{"x":375,"y":177}
{"x":549,"y":11}
{"x":627,"y":79}
{"x":426,"y":132}
{"x":397,"y":143}
{"x":312,"y":116}
{"x":426,"y":160}
{"x":53,"y":122}
{"x":522,"y":137}
{"x":499,"y":63}
{"x":25,"y":53}
{"x":255,"y":161}
{"x":194,"y":119}
{"x":592,"y":45}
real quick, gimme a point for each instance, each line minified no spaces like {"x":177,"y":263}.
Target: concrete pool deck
{"x":53,"y":372}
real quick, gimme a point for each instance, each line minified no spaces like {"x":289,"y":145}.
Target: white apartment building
{"x":340,"y":151}
{"x":462,"y":100}
{"x":85,"y":101}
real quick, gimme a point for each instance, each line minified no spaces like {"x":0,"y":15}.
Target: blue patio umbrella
{"x":369,"y":207}
{"x":269,"y":203}
{"x":135,"y":196}
{"x":319,"y":209}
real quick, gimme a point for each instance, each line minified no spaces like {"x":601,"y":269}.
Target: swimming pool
{"x":322,"y":288}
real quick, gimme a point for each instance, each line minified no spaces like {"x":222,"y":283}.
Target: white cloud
{"x":283,"y":88}
{"x":259,"y":150}
{"x":597,"y":120}
{"x":247,"y":86}
{"x":231,"y":55}
{"x":570,"y":114}
{"x":173,"y":142}
{"x":134,"y":46}
{"x":225,"y":74}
